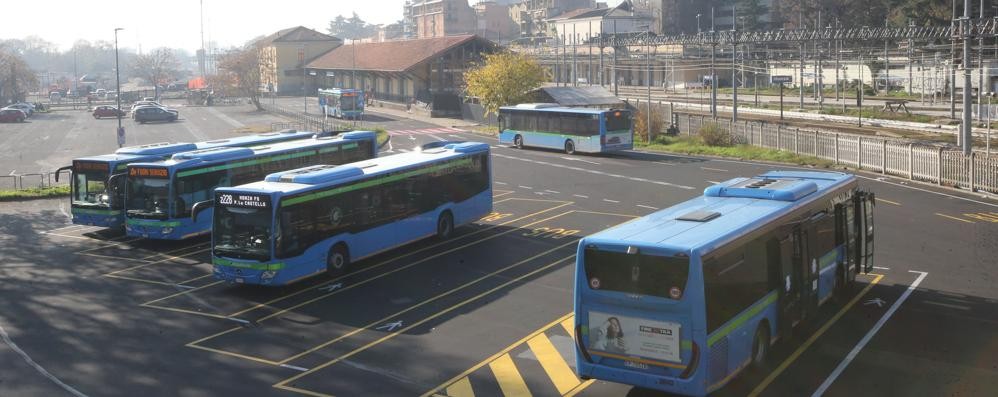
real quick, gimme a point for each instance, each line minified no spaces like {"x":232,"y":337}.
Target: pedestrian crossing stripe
{"x":517,"y":375}
{"x":426,"y":131}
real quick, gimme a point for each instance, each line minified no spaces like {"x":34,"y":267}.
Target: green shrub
{"x":712,"y":134}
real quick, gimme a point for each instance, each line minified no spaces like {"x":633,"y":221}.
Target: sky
{"x":176,"y":24}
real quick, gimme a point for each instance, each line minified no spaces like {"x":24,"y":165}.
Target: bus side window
{"x":868,"y":202}
{"x":502,"y":122}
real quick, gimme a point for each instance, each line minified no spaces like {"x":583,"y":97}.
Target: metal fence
{"x":918,"y":161}
{"x":32,"y":180}
{"x":308,"y":122}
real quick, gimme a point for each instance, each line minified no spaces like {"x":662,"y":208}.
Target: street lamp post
{"x":117,"y":84}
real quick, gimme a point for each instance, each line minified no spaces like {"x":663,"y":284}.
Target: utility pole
{"x":980,"y":65}
{"x":648,"y":83}
{"x":575,"y":65}
{"x":967,"y":141}
{"x":952,"y":71}
{"x":887,"y":66}
{"x":734,"y":63}
{"x":838,"y":62}
{"x":910,"y":56}
{"x":713,"y":75}
{"x":801,"y":75}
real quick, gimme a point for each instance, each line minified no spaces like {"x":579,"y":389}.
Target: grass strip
{"x":34,"y":193}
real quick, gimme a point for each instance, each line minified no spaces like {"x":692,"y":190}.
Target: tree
{"x":750,"y":14}
{"x":240,"y":72}
{"x":503,"y":78}
{"x":350,"y":28}
{"x":156,"y":67}
{"x":16,"y":77}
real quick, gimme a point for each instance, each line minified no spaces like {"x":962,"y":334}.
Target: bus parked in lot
{"x":299,"y":223}
{"x":95,"y":202}
{"x":568,"y":129}
{"x":344,"y":103}
{"x":684,"y":299}
{"x":159,"y":195}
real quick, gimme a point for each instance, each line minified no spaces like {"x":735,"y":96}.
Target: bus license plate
{"x":240,"y":280}
{"x":637,"y":365}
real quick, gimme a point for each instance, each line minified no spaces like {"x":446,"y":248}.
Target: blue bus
{"x":300,"y":223}
{"x":344,"y":103}
{"x":569,"y":129}
{"x":684,"y":299}
{"x":159,"y":196}
{"x":96,"y":202}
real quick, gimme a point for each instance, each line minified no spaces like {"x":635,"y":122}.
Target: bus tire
{"x":569,"y":147}
{"x":760,"y":346}
{"x":445,"y":225}
{"x":518,"y":142}
{"x":338,"y":260}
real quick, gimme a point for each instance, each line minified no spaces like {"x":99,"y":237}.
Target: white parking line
{"x":646,"y":206}
{"x":881,"y":268}
{"x":684,"y":187}
{"x":611,"y":201}
{"x":869,"y":335}
{"x":712,"y":182}
{"x":499,"y":183}
{"x":553,"y":191}
{"x":525,"y":187}
{"x":580,"y":196}
{"x":713,"y":169}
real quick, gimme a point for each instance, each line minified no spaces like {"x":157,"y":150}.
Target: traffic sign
{"x":781,"y":79}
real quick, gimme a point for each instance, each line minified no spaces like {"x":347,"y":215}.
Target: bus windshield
{"x":148,"y":197}
{"x":618,"y":121}
{"x":242,"y":232}
{"x":635,"y":273}
{"x":90,"y":189}
{"x":348,"y":102}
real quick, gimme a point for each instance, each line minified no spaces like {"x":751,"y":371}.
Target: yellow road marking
{"x":180,"y":293}
{"x":607,"y":213}
{"x":114,"y":244}
{"x":888,"y":201}
{"x":553,"y":363}
{"x":375,"y":323}
{"x":504,"y":193}
{"x":500,"y":353}
{"x":365,"y":281}
{"x":569,"y":325}
{"x":954,"y":218}
{"x":178,"y":249}
{"x":509,"y":378}
{"x":283,"y":384}
{"x":195,"y":279}
{"x":142,"y":280}
{"x":111,"y":257}
{"x":461,"y":388}
{"x":983,"y":216}
{"x":810,"y":341}
{"x":155,"y":262}
{"x":185,"y":311}
{"x":582,"y":386}
{"x":255,"y":359}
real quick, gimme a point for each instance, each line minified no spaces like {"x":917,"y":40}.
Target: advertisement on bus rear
{"x":630,"y":336}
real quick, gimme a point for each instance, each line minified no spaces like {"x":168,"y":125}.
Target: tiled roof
{"x":388,"y":56}
{"x":297,"y":34}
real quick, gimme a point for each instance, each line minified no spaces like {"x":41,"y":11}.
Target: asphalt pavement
{"x":92,"y":313}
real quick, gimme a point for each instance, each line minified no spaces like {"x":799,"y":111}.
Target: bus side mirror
{"x":59,"y":171}
{"x":199,"y":207}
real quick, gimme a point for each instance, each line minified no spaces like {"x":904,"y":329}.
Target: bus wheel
{"x":445,"y":225}
{"x":337,"y":261}
{"x":569,"y":147}
{"x":760,"y":346}
{"x":518,"y":142}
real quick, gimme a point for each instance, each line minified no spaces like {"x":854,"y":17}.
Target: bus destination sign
{"x":244,"y":200}
{"x":80,"y":166}
{"x":140,"y":172}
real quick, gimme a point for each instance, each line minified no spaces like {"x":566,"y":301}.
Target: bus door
{"x":809,"y":259}
{"x":863,"y":204}
{"x":791,"y":280}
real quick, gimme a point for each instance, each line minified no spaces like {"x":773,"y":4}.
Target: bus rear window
{"x":618,"y":121}
{"x":636,"y":274}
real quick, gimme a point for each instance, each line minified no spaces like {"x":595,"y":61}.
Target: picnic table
{"x":894,"y":105}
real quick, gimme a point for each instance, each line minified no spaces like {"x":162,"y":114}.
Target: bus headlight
{"x":109,"y":220}
{"x":167,"y":230}
{"x":267,"y":275}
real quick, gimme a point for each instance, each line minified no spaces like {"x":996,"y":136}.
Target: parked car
{"x":10,"y":115}
{"x":107,"y":111}
{"x":153,"y":113}
{"x":24,"y":107}
{"x":140,"y":106}
{"x":137,"y":104}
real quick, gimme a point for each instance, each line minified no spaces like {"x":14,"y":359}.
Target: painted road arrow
{"x":876,"y":301}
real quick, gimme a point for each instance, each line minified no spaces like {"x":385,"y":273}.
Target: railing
{"x":309,"y":122}
{"x":917,"y":161}
{"x":30,"y":181}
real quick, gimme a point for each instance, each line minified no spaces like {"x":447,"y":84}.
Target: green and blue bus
{"x":684,"y":299}
{"x":317,"y":219}
{"x":344,"y":103}
{"x":159,"y":195}
{"x":569,"y":129}
{"x":95,"y":201}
